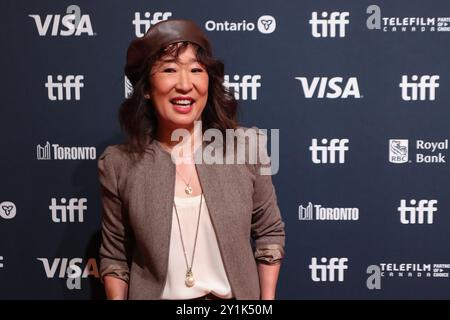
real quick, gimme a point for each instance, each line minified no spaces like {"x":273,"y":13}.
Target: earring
{"x":146,"y":96}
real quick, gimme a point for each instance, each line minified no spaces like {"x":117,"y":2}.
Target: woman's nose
{"x":184,"y":82}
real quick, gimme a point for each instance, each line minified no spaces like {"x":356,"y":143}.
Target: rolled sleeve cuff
{"x":269,"y":254}
{"x":116,"y":271}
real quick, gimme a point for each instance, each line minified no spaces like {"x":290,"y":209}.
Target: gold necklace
{"x":187,"y":189}
{"x":189,"y":280}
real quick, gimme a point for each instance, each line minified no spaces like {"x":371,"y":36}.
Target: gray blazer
{"x":137,"y":199}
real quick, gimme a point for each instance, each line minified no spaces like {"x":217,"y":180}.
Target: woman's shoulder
{"x":250,"y":146}
{"x":113,"y":151}
{"x":250,"y":139}
{"x":122,"y":155}
{"x":117,"y":155}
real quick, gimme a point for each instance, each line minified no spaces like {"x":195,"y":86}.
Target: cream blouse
{"x":208,"y":269}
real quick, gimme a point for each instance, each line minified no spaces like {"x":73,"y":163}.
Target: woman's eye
{"x":197,"y":70}
{"x":169,"y":70}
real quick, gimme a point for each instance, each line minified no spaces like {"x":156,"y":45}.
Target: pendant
{"x":188,"y":190}
{"x":190,"y":281}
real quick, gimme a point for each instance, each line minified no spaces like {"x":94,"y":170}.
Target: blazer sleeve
{"x":114,"y":250}
{"x":267,"y":226}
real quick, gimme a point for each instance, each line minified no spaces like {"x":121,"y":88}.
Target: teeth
{"x":182,"y":102}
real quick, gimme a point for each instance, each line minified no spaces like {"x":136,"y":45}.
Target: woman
{"x":173,"y":228}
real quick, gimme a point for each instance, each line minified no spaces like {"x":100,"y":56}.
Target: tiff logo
{"x":1,"y":264}
{"x":417,"y":211}
{"x":7,"y":210}
{"x":241,"y":87}
{"x":76,"y":206}
{"x":328,"y":270}
{"x":328,"y":25}
{"x":141,"y":25}
{"x":73,"y":23}
{"x":64,"y":87}
{"x":419,"y":89}
{"x":327,"y":152}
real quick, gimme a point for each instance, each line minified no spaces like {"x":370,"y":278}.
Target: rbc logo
{"x":326,"y":27}
{"x":142,"y":25}
{"x":419,"y":89}
{"x":328,"y":270}
{"x":327,"y":153}
{"x":64,"y":88}
{"x":75,"y":206}
{"x":417,"y":212}
{"x":398,"y":150}
{"x":324,"y":87}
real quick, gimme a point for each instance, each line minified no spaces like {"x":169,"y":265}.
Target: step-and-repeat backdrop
{"x":359,"y":91}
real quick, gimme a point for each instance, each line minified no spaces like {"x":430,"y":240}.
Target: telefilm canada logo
{"x":376,"y":21}
{"x":320,"y":213}
{"x":57,"y":152}
{"x":403,"y":151}
{"x":73,"y":23}
{"x":265,"y":24}
{"x":7,"y":210}
{"x":412,"y":271}
{"x":71,"y":269}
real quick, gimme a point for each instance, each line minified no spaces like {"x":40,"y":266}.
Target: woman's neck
{"x":164,"y":136}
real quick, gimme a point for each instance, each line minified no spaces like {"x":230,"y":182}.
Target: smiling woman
{"x":174,"y":52}
{"x":179,"y":90}
{"x":183,"y":230}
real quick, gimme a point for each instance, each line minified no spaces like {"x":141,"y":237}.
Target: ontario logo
{"x":265,"y":24}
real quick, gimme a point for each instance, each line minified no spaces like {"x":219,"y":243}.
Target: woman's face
{"x":179,"y":90}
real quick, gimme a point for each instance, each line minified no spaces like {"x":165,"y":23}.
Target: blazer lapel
{"x":213,"y":179}
{"x":158,"y":205}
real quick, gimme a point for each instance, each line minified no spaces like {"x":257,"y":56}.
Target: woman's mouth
{"x":183,"y":105}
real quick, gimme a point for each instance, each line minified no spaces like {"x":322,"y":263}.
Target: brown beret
{"x":159,"y":36}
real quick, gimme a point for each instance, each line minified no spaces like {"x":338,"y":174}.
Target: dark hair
{"x":137,"y":116}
